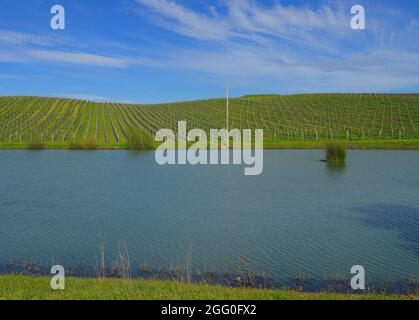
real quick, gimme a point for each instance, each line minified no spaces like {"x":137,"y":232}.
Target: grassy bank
{"x":412,"y":144}
{"x":26,"y":287}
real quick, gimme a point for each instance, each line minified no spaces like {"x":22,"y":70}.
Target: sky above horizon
{"x":150,"y":51}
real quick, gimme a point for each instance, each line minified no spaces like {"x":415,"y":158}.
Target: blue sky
{"x":171,"y":50}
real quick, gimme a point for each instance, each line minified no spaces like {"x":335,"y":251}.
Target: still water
{"x":300,"y":217}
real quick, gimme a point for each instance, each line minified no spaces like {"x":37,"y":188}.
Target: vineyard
{"x":309,"y":117}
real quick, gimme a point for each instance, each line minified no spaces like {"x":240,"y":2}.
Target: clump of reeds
{"x":121,"y":267}
{"x":176,"y":272}
{"x":299,"y":282}
{"x":145,"y":267}
{"x":32,"y":268}
{"x":102,"y":270}
{"x":188,"y":268}
{"x":124,"y":265}
{"x":335,"y":152}
{"x":245,"y":277}
{"x":140,"y":139}
{"x":337,"y":282}
{"x":84,"y":144}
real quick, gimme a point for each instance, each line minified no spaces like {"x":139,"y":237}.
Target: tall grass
{"x":188,"y":268}
{"x":335,"y":152}
{"x":140,"y":139}
{"x":121,"y":267}
{"x":124,"y":264}
{"x":102,"y":270}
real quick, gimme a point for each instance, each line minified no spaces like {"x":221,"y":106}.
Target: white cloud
{"x":259,"y":68}
{"x":298,"y":48}
{"x":413,"y":26}
{"x":278,"y":46}
{"x":21,"y":38}
{"x":80,"y":96}
{"x":8,"y":57}
{"x":79,"y":58}
{"x":187,"y":22}
{"x":247,"y":19}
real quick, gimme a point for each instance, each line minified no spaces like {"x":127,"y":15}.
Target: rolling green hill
{"x":370,"y":120}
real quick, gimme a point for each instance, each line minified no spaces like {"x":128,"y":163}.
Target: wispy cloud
{"x":80,"y":96}
{"x":250,"y":39}
{"x":414,"y":26}
{"x":24,"y":47}
{"x":276,"y":47}
{"x":245,"y":19}
{"x":80,"y":58}
{"x":21,"y":47}
{"x":299,"y":47}
{"x":350,"y":72}
{"x":187,"y":22}
{"x":265,"y":39}
{"x":21,"y":38}
{"x":8,"y":57}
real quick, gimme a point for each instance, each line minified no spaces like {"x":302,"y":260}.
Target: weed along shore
{"x":19,"y":287}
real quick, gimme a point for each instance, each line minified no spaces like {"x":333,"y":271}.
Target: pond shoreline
{"x":411,"y":144}
{"x":245,"y":278}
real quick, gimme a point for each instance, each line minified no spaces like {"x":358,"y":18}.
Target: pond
{"x":300,"y":218}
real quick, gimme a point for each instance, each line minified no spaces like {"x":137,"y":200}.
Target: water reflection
{"x":402,"y":219}
{"x":336,"y":166}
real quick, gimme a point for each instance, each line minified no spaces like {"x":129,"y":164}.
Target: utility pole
{"x":227,"y":123}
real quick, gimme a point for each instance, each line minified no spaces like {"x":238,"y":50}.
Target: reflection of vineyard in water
{"x":297,"y":117}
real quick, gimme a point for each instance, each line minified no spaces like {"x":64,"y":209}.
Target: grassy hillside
{"x":25,"y":287}
{"x":362,"y":120}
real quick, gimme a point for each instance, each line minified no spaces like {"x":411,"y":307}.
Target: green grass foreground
{"x":18,"y":287}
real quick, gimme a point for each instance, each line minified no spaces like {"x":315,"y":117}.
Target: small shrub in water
{"x":335,"y":152}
